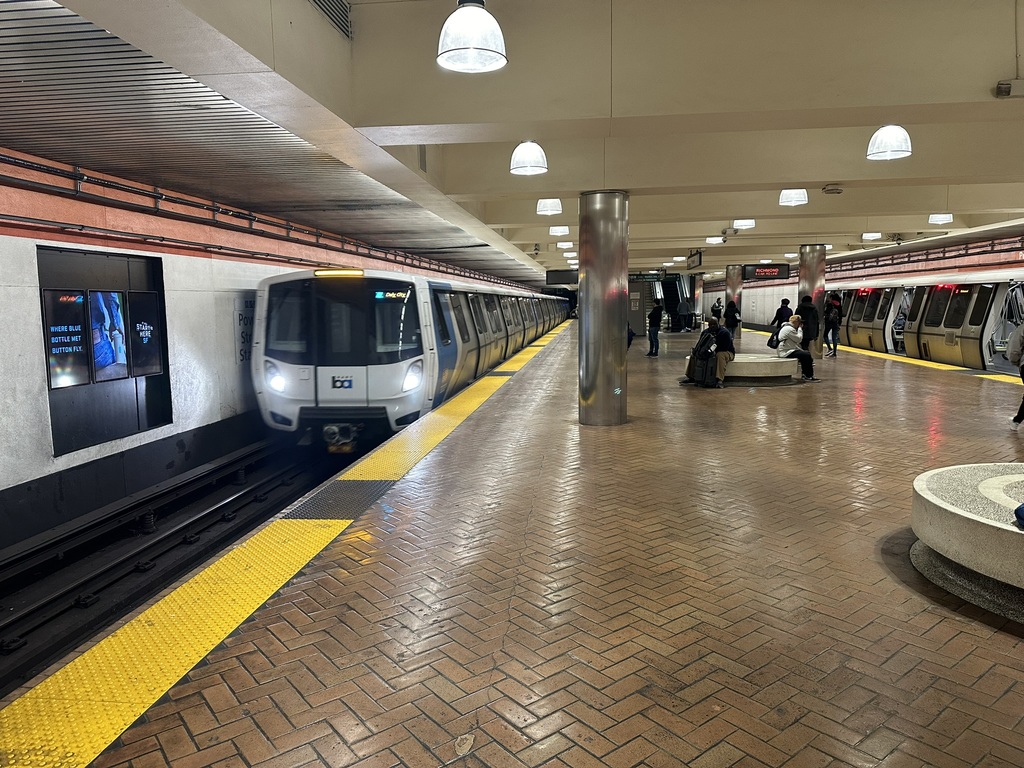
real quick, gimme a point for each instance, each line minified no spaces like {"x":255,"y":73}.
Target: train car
{"x":961,"y":319}
{"x":349,"y":355}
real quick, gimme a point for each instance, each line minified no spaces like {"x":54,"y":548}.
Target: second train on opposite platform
{"x":961,"y":319}
{"x":351,"y":355}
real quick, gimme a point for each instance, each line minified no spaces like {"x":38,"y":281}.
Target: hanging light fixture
{"x":744,"y":224}
{"x":570,"y":255}
{"x":716,"y":240}
{"x":790,"y":255}
{"x":558,"y":231}
{"x":549,"y":206}
{"x":890,"y":142}
{"x":766,"y":261}
{"x":793,"y":197}
{"x":565,"y":244}
{"x":871,"y":236}
{"x":940,"y":218}
{"x":471,"y":40}
{"x":528,"y":159}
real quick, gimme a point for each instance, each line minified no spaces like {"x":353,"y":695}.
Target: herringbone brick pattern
{"x":723,"y":581}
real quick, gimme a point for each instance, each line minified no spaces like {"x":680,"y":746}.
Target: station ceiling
{"x":701,"y":111}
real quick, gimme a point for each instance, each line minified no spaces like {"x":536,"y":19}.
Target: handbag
{"x":773,"y":340}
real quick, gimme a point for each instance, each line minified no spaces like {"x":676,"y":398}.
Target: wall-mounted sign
{"x":145,"y":333}
{"x":646,"y":277}
{"x":64,"y":332}
{"x":694,"y":260}
{"x":766,"y":271}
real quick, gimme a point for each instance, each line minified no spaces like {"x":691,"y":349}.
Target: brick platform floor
{"x":723,"y":581}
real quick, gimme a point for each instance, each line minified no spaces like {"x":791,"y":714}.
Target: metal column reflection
{"x":604,"y":285}
{"x":734,"y":291}
{"x":812,"y":283}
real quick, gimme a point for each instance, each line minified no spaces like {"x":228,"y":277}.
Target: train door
{"x":879,"y":320}
{"x":858,"y":330}
{"x":514,"y":322}
{"x":1006,"y":315}
{"x":469,"y":348}
{"x":844,"y":333}
{"x":484,"y":334}
{"x":972,"y":346}
{"x":911,"y":339}
{"x":895,"y":326}
{"x":444,"y":342}
{"x":932,"y":338}
{"x":497,"y":325}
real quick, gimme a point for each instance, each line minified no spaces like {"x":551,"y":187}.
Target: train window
{"x":871,"y":306}
{"x":288,"y":322}
{"x":958,"y":304}
{"x":491,"y":302}
{"x":396,"y":326}
{"x":859,"y":300}
{"x":460,"y":316}
{"x":937,"y":305}
{"x":440,"y":299}
{"x":366,"y":322}
{"x":981,"y":304}
{"x":511,"y":316}
{"x":885,"y":303}
{"x":847,"y":301}
{"x":476,"y":307}
{"x":915,"y":305}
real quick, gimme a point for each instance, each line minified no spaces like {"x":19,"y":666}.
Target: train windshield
{"x":343,"y":322}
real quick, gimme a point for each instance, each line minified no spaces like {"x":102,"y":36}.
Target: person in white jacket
{"x":790,"y":336}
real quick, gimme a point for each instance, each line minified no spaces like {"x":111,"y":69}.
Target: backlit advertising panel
{"x":64,"y":333}
{"x":109,"y":353}
{"x":145,"y":333}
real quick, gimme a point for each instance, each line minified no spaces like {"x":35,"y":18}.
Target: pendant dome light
{"x":793,"y":197}
{"x":528,"y":159}
{"x":744,"y":223}
{"x":940,"y":218}
{"x":557,"y":231}
{"x":871,"y":236}
{"x":890,"y":142}
{"x":549,"y":206}
{"x":471,"y":40}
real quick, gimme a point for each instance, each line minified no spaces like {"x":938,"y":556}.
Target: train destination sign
{"x":766,"y":271}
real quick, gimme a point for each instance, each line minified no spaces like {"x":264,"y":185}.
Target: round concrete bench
{"x":760,"y":369}
{"x":965,"y":514}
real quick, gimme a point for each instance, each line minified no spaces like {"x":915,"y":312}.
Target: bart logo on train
{"x":341,"y":382}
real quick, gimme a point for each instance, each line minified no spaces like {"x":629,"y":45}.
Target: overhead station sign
{"x":766,"y":271}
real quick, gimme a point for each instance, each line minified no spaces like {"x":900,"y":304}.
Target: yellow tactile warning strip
{"x":73,"y":715}
{"x":1005,"y":378}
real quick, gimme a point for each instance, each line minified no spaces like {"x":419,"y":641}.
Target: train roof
{"x":931,"y":278}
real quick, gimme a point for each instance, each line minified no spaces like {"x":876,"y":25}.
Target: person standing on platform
{"x":716,"y":309}
{"x":791,"y":337}
{"x":732,"y":318}
{"x":782,"y":314}
{"x":653,"y":326}
{"x":809,"y":319}
{"x":832,"y":317}
{"x":1015,"y":353}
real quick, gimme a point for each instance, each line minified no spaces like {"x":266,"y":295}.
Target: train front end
{"x":338,"y":354}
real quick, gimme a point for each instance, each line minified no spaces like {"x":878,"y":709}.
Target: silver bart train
{"x":349,"y":353}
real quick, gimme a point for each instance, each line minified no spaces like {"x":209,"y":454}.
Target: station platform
{"x":725,"y":580}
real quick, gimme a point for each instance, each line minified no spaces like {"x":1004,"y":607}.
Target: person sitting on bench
{"x":724,"y":349}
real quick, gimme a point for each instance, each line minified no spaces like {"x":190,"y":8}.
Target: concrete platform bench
{"x":965,"y":513}
{"x":760,"y":370}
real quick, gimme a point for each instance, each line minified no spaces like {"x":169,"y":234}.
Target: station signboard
{"x":766,"y":271}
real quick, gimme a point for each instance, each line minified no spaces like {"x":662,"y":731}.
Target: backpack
{"x":773,"y":340}
{"x":831,"y":313}
{"x":705,"y":347}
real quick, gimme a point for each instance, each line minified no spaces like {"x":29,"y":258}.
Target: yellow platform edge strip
{"x":71,"y":717}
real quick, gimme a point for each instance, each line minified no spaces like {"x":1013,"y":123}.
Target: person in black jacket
{"x":732,"y":318}
{"x":832,"y":317}
{"x":724,"y":353}
{"x":809,"y":315}
{"x":653,"y":326}
{"x":782,"y":314}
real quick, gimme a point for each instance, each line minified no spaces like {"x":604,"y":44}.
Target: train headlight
{"x":273,"y":376}
{"x":413,"y":376}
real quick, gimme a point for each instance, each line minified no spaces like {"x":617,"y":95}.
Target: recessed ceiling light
{"x":744,"y":224}
{"x":828,"y":246}
{"x":766,"y":261}
{"x":940,"y":218}
{"x":716,"y":240}
{"x":652,"y":271}
{"x":668,"y":264}
{"x":678,"y":258}
{"x":558,"y":231}
{"x":564,"y":244}
{"x":790,"y":255}
{"x":570,"y":254}
{"x":871,"y":236}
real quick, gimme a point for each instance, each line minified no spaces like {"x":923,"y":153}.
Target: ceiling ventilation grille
{"x":338,"y":12}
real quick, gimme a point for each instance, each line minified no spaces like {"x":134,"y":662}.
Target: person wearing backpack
{"x":1015,"y":353}
{"x":831,"y":318}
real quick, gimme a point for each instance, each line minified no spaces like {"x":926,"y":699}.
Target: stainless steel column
{"x":734,"y":292}
{"x":812,"y":283}
{"x":698,"y":296}
{"x":604,"y":286}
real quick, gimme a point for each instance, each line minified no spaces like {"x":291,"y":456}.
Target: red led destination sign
{"x":766,"y":271}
